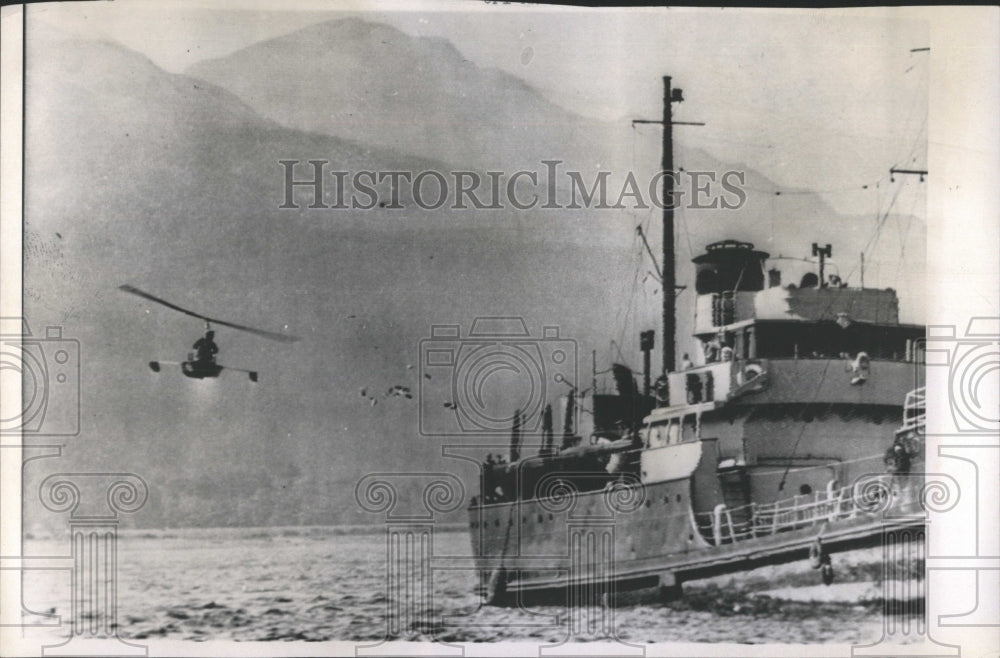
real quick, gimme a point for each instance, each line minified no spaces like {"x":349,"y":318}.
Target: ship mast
{"x":669,"y":286}
{"x":669,"y":282}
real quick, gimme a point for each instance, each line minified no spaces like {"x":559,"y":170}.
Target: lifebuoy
{"x":749,"y":373}
{"x":859,"y":369}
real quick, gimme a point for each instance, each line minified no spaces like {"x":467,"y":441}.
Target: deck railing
{"x":915,"y":409}
{"x":726,"y":525}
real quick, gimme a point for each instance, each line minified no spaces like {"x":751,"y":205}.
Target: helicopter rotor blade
{"x":284,"y":338}
{"x":272,"y":335}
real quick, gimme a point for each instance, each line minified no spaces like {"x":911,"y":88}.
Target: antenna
{"x":823,"y":253}
{"x":893,"y":171}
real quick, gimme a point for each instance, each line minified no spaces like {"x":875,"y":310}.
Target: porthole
{"x":805,"y":490}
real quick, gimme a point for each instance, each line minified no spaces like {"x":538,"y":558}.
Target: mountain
{"x":375,"y":84}
{"x":371,"y":82}
{"x":172,"y":183}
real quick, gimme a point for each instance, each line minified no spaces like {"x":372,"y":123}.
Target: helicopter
{"x":202,"y":365}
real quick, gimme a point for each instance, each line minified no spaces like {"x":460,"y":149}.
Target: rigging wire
{"x":914,"y":102}
{"x":815,"y":395}
{"x":777,"y":191}
{"x":795,"y":447}
{"x":920,"y":139}
{"x":880,"y":221}
{"x":627,"y":302}
{"x":621,"y":308}
{"x":905,"y":236}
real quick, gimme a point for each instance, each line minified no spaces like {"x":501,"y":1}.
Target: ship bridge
{"x":747,"y":323}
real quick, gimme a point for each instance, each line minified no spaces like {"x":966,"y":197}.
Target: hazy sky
{"x":848,"y":99}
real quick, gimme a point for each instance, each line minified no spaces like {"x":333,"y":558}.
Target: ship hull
{"x":648,"y":535}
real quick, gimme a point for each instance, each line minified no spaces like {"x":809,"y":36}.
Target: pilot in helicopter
{"x":206,"y":347}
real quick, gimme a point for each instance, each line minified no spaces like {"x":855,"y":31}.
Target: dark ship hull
{"x":608,"y":534}
{"x":647,"y":549}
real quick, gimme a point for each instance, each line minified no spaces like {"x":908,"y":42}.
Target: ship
{"x":793,"y":432}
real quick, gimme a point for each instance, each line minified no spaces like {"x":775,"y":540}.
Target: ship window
{"x":524,"y":519}
{"x":673,"y":434}
{"x":689,"y":433}
{"x":826,"y":339}
{"x":497,"y":523}
{"x":541,"y":518}
{"x":805,"y":490}
{"x":550,"y":516}
{"x":474,"y":524}
{"x":678,"y":498}
{"x":666,"y":500}
{"x":649,"y":503}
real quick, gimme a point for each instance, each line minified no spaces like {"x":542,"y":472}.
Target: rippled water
{"x":318,"y":584}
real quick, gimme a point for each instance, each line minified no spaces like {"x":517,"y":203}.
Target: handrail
{"x":915,"y":409}
{"x":765,"y":519}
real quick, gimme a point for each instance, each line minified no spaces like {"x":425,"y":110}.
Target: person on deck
{"x":712,"y":351}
